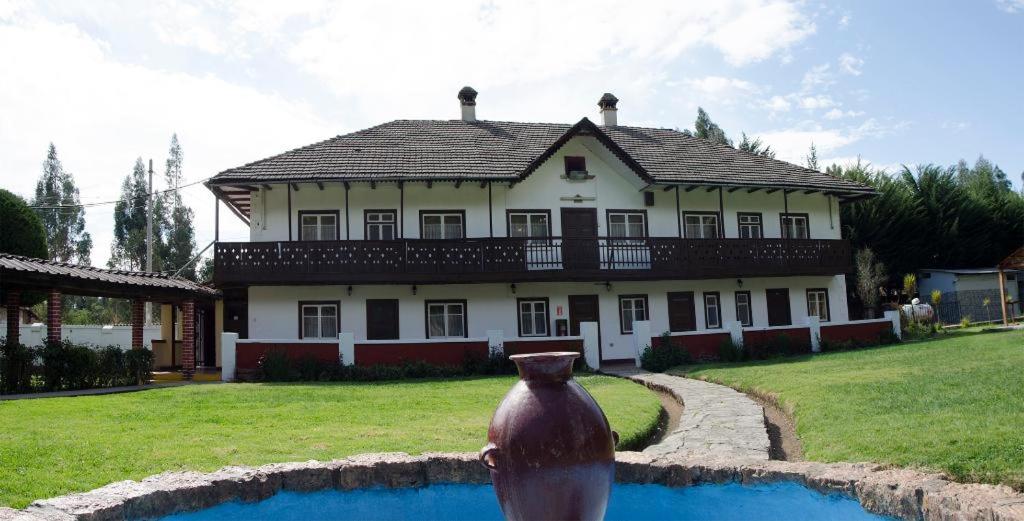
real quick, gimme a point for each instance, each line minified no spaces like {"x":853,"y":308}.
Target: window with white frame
{"x":381,"y":225}
{"x":750,"y":225}
{"x":446,"y":319}
{"x":442,"y":225}
{"x":319,"y":319}
{"x":529,"y":224}
{"x":817,"y":304}
{"x":701,"y":225}
{"x":744,"y":311}
{"x":794,"y":226}
{"x":712,"y":310}
{"x":627,"y":224}
{"x":533,"y":317}
{"x":317,"y":226}
{"x":632,"y":308}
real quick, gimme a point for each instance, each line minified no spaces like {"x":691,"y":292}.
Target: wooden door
{"x":582,"y":308}
{"x":778,"y":307}
{"x":579,"y":238}
{"x":236,"y":312}
{"x":381,"y":319}
{"x":682,"y":314}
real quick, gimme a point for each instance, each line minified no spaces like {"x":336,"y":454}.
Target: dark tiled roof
{"x":502,"y":150}
{"x":11,"y":266}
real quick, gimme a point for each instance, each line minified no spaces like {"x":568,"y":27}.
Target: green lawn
{"x":954,"y":404}
{"x":55,"y":446}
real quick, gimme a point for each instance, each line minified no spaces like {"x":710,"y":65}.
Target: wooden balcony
{"x":424,"y":261}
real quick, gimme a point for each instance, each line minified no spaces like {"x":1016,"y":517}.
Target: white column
{"x":496,"y":341}
{"x":641,"y":338}
{"x":591,"y":344}
{"x":814,"y":324}
{"x":894,"y":317}
{"x":227,"y":356}
{"x":735,"y":329}
{"x":347,"y":347}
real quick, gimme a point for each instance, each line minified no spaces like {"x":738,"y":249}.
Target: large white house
{"x":425,"y":232}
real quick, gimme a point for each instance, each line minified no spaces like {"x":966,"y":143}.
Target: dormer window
{"x":576,"y":167}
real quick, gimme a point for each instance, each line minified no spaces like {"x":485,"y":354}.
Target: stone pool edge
{"x":901,"y":493}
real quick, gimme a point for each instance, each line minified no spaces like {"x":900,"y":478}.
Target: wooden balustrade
{"x":521,"y":260}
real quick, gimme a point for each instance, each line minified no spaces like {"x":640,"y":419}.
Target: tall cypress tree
{"x":128,"y":251}
{"x":57,"y":203}
{"x":181,"y":241}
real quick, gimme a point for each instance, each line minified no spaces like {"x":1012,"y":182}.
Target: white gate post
{"x":894,"y":317}
{"x":347,"y":347}
{"x":735,"y":329}
{"x":228,"y":342}
{"x":641,"y":338}
{"x":496,"y":341}
{"x":591,"y":344}
{"x":814,"y":325}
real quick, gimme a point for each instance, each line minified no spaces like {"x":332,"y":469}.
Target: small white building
{"x":965,"y":292}
{"x":422,"y":232}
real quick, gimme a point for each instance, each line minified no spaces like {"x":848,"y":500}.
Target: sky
{"x":893,"y":83}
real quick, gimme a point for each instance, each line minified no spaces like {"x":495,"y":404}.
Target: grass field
{"x":55,"y":446}
{"x":954,"y":404}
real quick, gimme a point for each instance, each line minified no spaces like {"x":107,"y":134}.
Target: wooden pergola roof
{"x":28,"y":273}
{"x":1014,"y":261}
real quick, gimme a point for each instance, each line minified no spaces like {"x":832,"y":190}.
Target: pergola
{"x":1015,"y":261}
{"x":19,"y":274}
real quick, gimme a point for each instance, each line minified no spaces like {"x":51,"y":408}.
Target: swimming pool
{"x":731,"y":501}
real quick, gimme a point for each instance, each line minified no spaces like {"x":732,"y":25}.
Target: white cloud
{"x":1010,"y":6}
{"x":778,"y":104}
{"x":792,"y":144}
{"x":837,"y":113}
{"x":850,"y":64}
{"x":817,"y":76}
{"x":816,"y":102}
{"x":844,"y":21}
{"x":720,"y":89}
{"x":955,"y":126}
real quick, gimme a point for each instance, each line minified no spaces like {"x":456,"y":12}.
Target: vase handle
{"x":615,"y":438}
{"x":488,"y":457}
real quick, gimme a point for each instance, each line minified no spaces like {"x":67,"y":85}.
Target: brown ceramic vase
{"x":551,"y":452}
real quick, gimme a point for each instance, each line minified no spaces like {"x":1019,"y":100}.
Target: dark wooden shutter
{"x":381,"y":319}
{"x":682,"y":315}
{"x":778,"y":307}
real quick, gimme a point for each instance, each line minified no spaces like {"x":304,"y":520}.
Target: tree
{"x":128,"y":250}
{"x":180,"y":244}
{"x":756,"y":147}
{"x":57,"y":203}
{"x":704,"y":128}
{"x":812,"y":157}
{"x":23,"y":231}
{"x":871,"y":276}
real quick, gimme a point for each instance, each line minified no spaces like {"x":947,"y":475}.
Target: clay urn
{"x":551,"y":452}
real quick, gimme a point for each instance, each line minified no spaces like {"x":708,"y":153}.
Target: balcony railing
{"x":520,"y":260}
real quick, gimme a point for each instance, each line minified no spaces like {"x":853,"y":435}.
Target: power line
{"x":90,"y":205}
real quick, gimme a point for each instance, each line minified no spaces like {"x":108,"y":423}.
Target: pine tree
{"x":706,"y":129}
{"x":812,"y":157}
{"x":180,"y":244}
{"x":756,"y":146}
{"x":128,"y":251}
{"x":58,"y":207}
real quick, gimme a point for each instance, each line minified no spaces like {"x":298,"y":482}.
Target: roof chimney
{"x":467,"y":98}
{"x":608,"y":110}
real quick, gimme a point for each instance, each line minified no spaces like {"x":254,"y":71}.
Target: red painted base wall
{"x":798,"y":337}
{"x":700,"y":347}
{"x":542,"y":346}
{"x":867,"y":333}
{"x":248,"y":354}
{"x":436,"y":353}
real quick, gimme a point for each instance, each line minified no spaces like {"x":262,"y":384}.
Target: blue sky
{"x":892,"y":82}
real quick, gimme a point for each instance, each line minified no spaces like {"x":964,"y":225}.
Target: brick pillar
{"x":13,"y":316}
{"x":53,"y":320}
{"x":138,"y":318}
{"x":188,"y":339}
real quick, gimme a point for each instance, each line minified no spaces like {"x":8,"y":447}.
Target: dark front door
{"x":778,"y":307}
{"x":682,"y":315}
{"x":381,"y":319}
{"x":582,"y":308}
{"x":236,"y":312}
{"x":579,"y":238}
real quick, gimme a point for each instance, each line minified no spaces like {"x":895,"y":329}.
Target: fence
{"x":979,"y":305}
{"x":87,"y":334}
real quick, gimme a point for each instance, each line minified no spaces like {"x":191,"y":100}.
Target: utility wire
{"x":89,"y":205}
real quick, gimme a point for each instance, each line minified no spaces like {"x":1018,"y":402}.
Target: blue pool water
{"x":775,"y":501}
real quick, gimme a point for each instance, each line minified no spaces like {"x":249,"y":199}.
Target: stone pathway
{"x":717,"y":421}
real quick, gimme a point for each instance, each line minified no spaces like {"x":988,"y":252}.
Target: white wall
{"x":96,"y":335}
{"x":273,"y":311}
{"x":614,"y":187}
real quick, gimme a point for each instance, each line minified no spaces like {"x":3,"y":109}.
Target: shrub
{"x":965,"y":322}
{"x":920,"y":330}
{"x":665,"y":355}
{"x":110,"y":370}
{"x":275,"y":366}
{"x":138,"y":366}
{"x":16,"y":367}
{"x":728,"y":351}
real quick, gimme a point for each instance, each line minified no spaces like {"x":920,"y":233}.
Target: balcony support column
{"x":679,"y":214}
{"x":216,"y":219}
{"x":401,"y":210}
{"x":490,"y":209}
{"x":347,"y":237}
{"x":721,"y":214}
